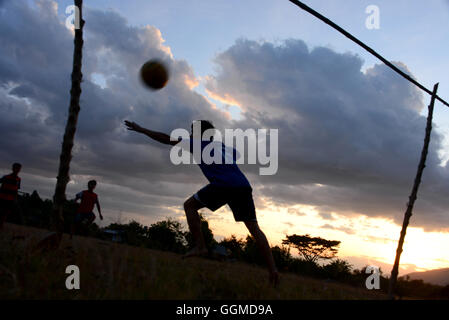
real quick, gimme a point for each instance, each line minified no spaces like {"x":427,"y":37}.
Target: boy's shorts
{"x":80,"y":217}
{"x":239,"y":199}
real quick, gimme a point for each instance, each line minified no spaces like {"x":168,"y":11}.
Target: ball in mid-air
{"x":154,"y":74}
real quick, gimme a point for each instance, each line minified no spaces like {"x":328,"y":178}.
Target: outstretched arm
{"x":158,"y":136}
{"x":99,"y":209}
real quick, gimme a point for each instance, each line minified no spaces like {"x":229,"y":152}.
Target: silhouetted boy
{"x":228,"y":185}
{"x":8,"y":193}
{"x":85,"y":210}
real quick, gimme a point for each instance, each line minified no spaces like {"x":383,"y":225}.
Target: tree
{"x":313,"y":248}
{"x":134,"y":233}
{"x":337,"y":270}
{"x":66,"y":152}
{"x":167,"y":235}
{"x":251,"y":252}
{"x":282,"y":257}
{"x":236,"y":246}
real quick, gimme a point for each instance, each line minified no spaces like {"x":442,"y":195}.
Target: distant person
{"x":227,"y":185}
{"x":85,"y":213}
{"x":10,"y":185}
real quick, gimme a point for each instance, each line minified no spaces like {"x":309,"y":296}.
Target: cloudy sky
{"x":350,"y":129}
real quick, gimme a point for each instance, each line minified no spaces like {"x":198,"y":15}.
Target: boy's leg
{"x":265,"y":249}
{"x":78,"y":227}
{"x":191,"y":207}
{"x":4,"y":212}
{"x":91,"y":218}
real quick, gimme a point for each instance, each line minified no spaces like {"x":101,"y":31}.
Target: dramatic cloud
{"x":348,"y":141}
{"x":134,"y":173}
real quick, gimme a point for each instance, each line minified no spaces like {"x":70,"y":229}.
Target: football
{"x":154,"y":74}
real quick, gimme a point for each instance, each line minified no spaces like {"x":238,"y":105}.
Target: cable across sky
{"x":367,"y":48}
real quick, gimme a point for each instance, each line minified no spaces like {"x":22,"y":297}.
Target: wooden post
{"x":53,"y":239}
{"x":413,"y":196}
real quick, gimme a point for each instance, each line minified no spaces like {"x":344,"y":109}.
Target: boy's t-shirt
{"x":10,"y":185}
{"x":226,"y":173}
{"x":88,"y":200}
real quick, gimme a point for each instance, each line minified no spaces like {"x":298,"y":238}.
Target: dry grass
{"x":114,"y":271}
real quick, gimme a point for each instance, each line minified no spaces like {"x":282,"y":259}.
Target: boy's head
{"x":204,"y":124}
{"x":92,"y":184}
{"x":16,"y":167}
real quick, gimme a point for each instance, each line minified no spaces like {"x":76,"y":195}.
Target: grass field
{"x":115,"y":271}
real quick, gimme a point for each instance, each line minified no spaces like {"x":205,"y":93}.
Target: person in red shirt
{"x":10,"y":185}
{"x":85,"y":210}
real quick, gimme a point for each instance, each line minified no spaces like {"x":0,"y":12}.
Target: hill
{"x":436,"y":276}
{"x":115,"y":271}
